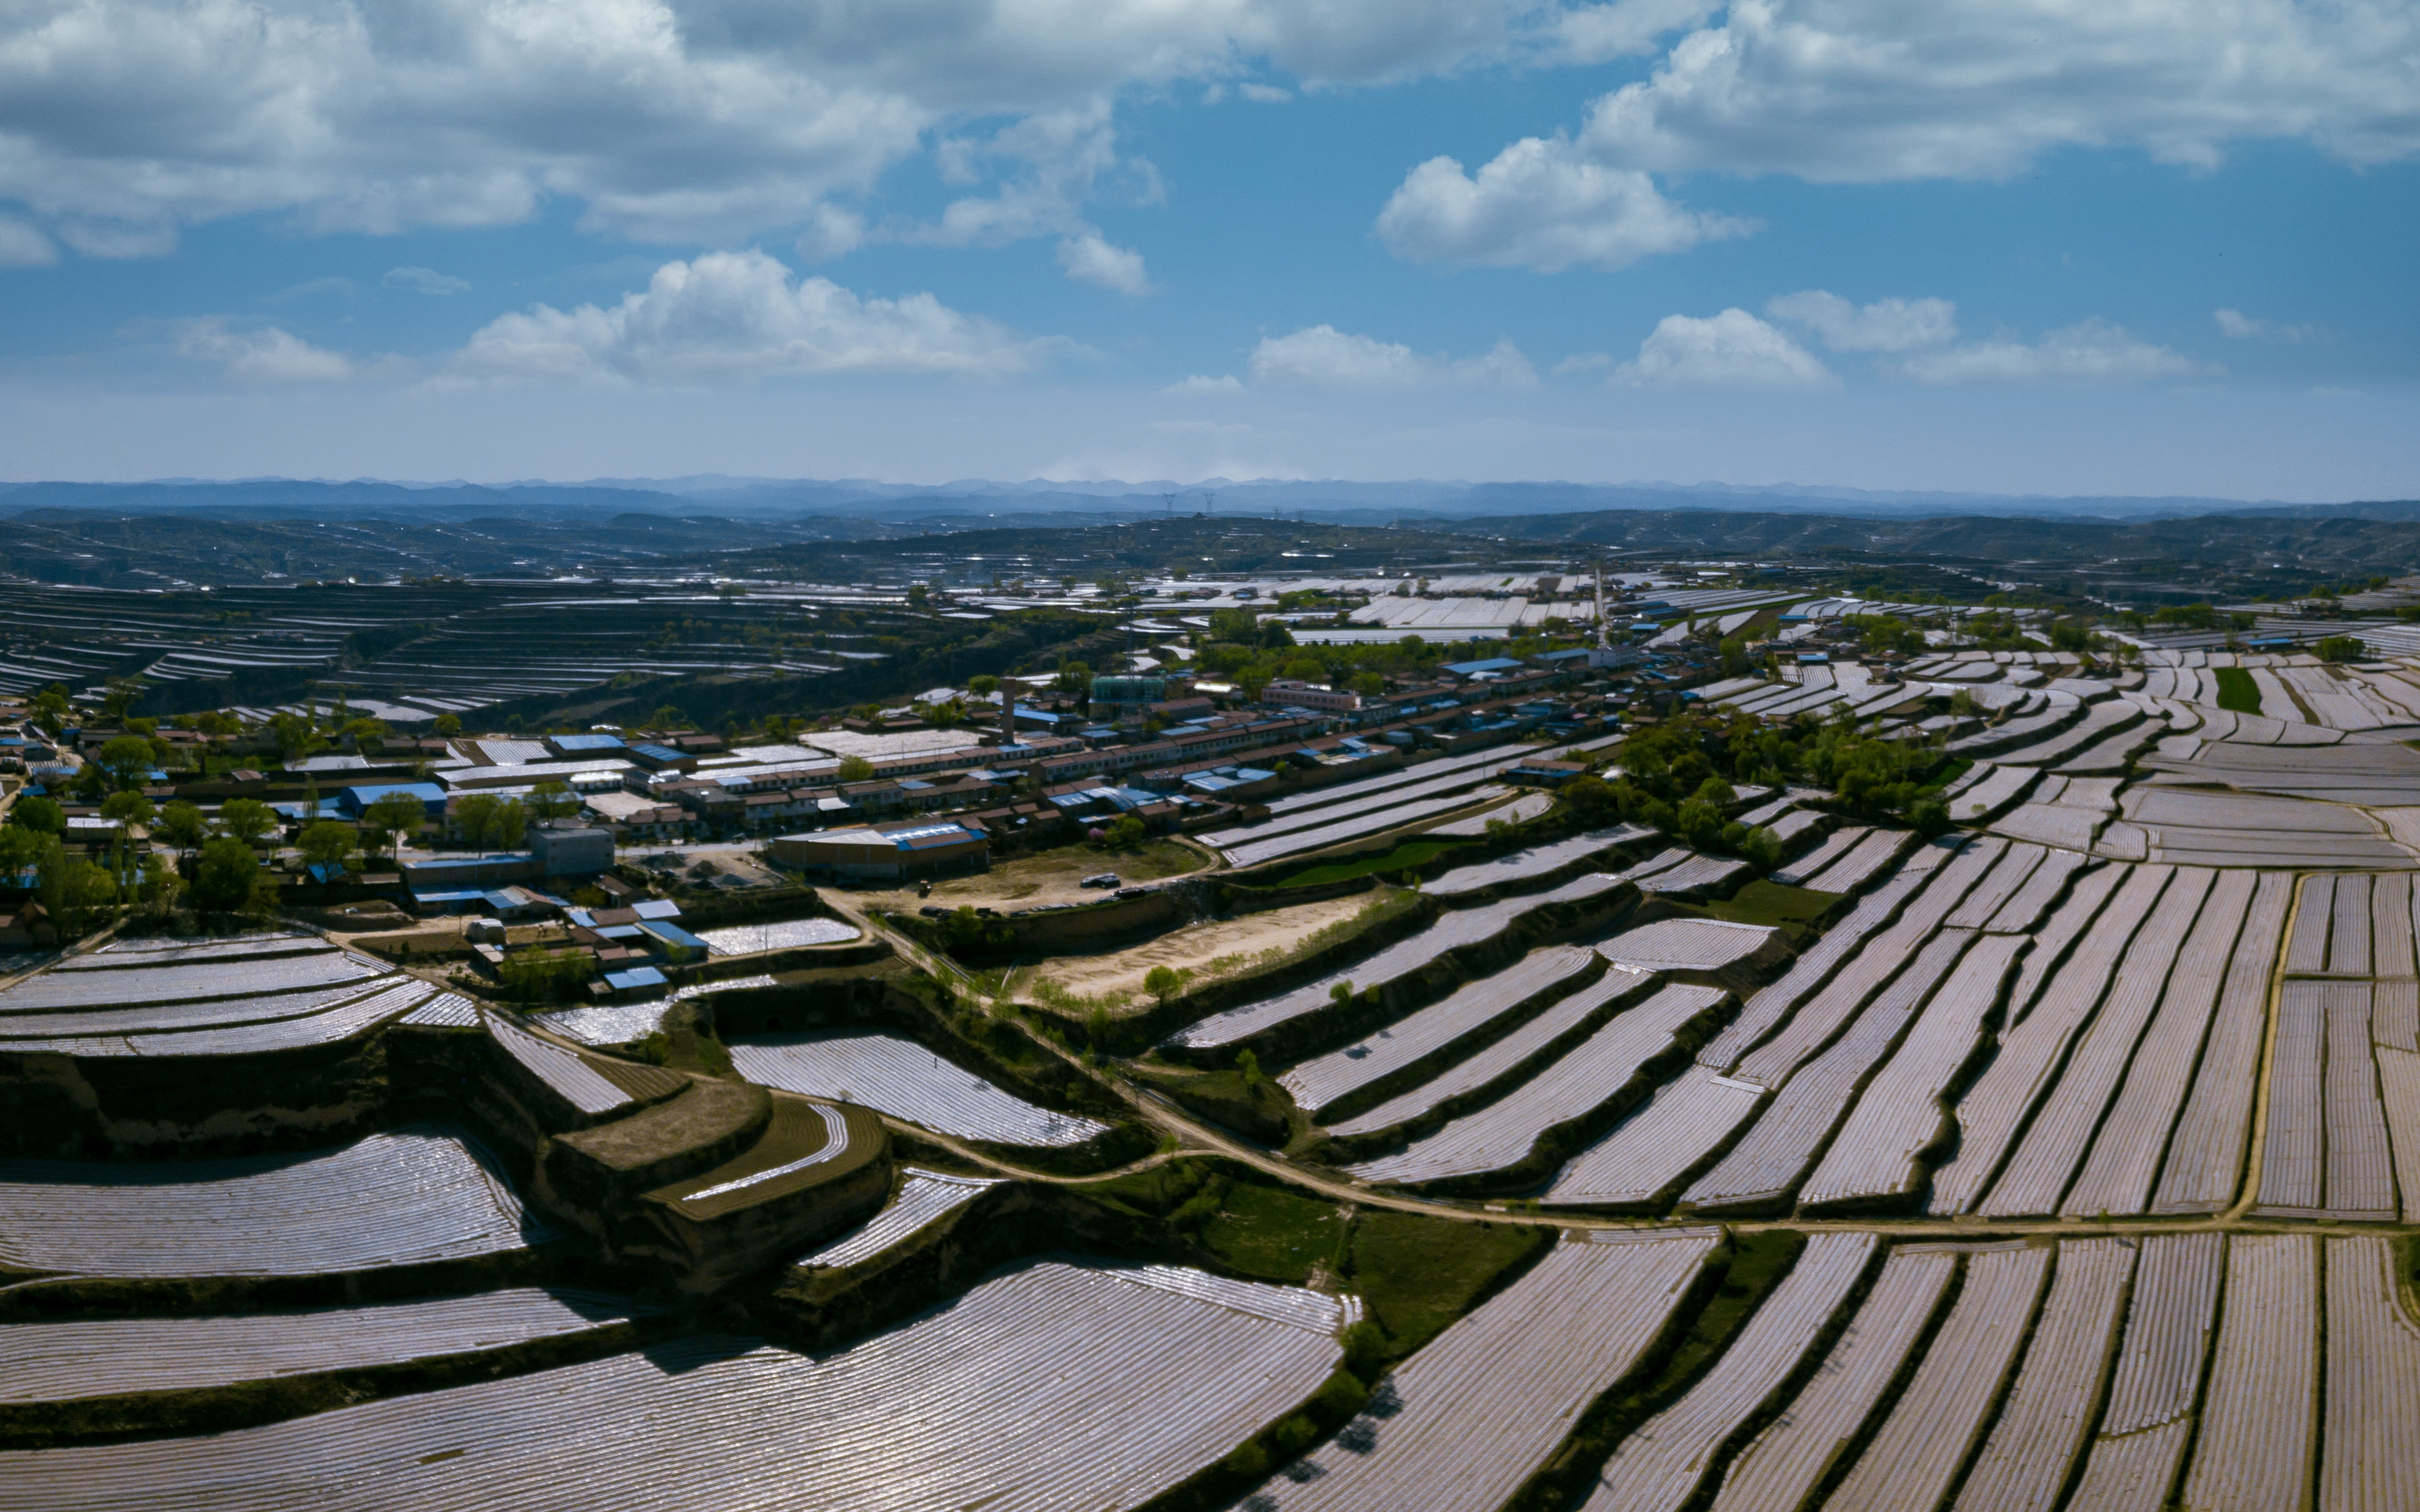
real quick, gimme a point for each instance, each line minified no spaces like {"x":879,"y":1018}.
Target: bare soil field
{"x":1213,"y":949}
{"x":1028,"y":879}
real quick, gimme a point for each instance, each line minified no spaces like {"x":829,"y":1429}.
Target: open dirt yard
{"x":1030,"y":878}
{"x":1234,"y":944}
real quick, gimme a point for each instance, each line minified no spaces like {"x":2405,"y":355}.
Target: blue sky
{"x":2159,"y":248}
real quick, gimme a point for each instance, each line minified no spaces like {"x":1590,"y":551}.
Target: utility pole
{"x":1602,"y":642}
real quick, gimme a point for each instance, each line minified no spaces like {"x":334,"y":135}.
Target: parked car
{"x":1101,"y":879}
{"x":1134,"y":892}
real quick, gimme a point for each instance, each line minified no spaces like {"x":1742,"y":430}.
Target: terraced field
{"x":2065,"y":1162}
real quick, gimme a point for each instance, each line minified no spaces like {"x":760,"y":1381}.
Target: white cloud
{"x":831,"y":232}
{"x":1540,"y":204}
{"x":2237,"y":326}
{"x":1262,"y":94}
{"x":711,"y":120}
{"x":1626,"y":28}
{"x":262,"y":354}
{"x":1880,"y":90}
{"x":1732,"y":350}
{"x":1201,"y":386}
{"x":1325,"y":357}
{"x":2089,"y":351}
{"x":1868,"y":91}
{"x":424,"y":280}
{"x":1090,"y":259}
{"x":24,"y":246}
{"x":739,"y":315}
{"x":1892,"y":325}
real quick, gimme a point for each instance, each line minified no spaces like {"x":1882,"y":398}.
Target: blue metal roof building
{"x":356,"y":801}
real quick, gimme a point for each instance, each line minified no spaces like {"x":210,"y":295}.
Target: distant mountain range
{"x":1076,"y":504}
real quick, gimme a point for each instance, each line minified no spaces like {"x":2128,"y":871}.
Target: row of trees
{"x":1678,"y":775}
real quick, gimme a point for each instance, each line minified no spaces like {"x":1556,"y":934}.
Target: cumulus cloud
{"x":424,"y":280}
{"x":1893,"y":325}
{"x":1325,"y":357}
{"x":741,"y":314}
{"x":1090,"y":259}
{"x":1263,"y":94}
{"x":664,"y":119}
{"x":1201,"y":386}
{"x":1870,"y":90}
{"x":2089,"y":351}
{"x":1730,"y":350}
{"x":262,"y":354}
{"x":1540,"y":204}
{"x":24,"y":246}
{"x":1623,"y":28}
{"x":2237,"y":326}
{"x":1881,"y":90}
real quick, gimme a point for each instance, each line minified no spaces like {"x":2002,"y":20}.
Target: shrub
{"x":546,"y":976}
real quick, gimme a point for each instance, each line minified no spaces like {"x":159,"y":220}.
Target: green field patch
{"x":1409,"y":854}
{"x":1271,"y":1234}
{"x":1420,"y":1273}
{"x":2237,"y":691}
{"x":1772,"y":904}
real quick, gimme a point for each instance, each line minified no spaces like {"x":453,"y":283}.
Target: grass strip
{"x":2237,"y":691}
{"x":1410,"y":853}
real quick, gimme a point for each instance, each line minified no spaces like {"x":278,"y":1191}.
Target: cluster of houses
{"x":910,"y":802}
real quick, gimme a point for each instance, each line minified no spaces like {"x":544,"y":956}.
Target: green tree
{"x":1163,"y":982}
{"x":488,"y":821}
{"x":125,"y":758}
{"x":40,"y":814}
{"x":1734,"y":655}
{"x":2341,"y":648}
{"x":72,"y":891}
{"x":222,"y":881}
{"x":132,"y":810}
{"x":91,"y":784}
{"x":398,"y":816}
{"x":982,"y":685}
{"x":52,"y":709}
{"x":296,"y":736}
{"x":327,"y":842}
{"x":159,"y":884}
{"x":1124,"y":833}
{"x":447,"y":725}
{"x":21,"y":850}
{"x":553,"y":801}
{"x":363,"y":733}
{"x":856,"y":769}
{"x":248,"y":820}
{"x":1074,"y":677}
{"x":118,"y":696}
{"x":181,"y":824}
